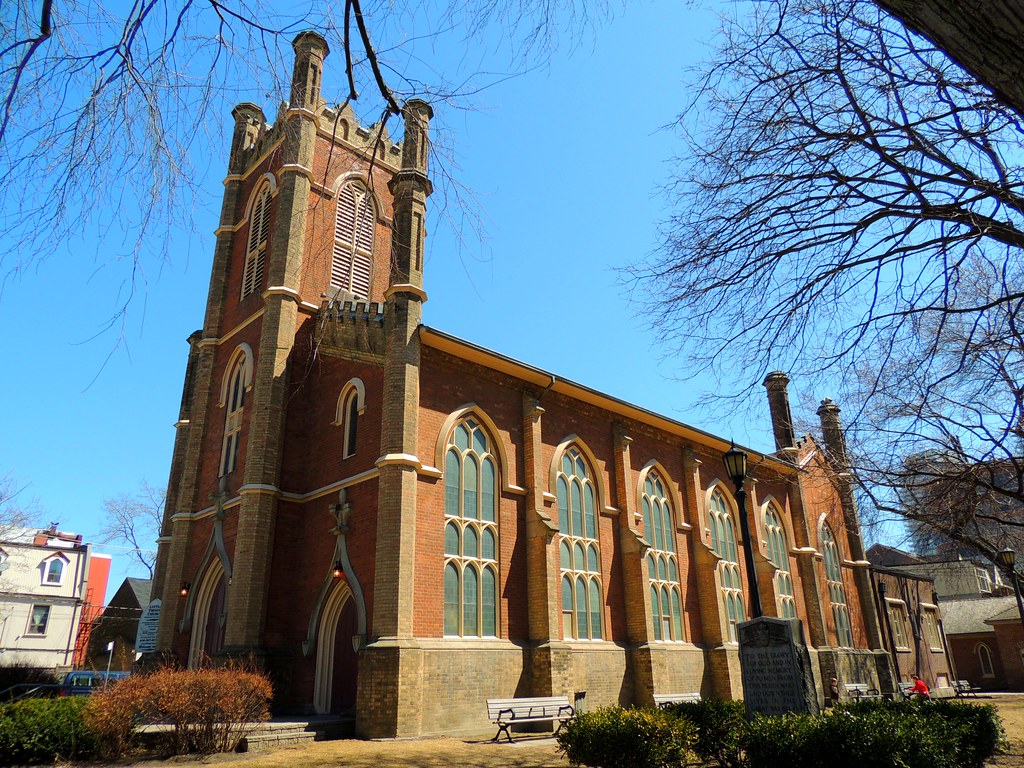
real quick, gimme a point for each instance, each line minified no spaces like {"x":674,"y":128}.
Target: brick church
{"x":400,"y":524}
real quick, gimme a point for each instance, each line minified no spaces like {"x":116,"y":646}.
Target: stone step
{"x":282,"y":733}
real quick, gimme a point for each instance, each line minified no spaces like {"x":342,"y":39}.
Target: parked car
{"x":82,"y":682}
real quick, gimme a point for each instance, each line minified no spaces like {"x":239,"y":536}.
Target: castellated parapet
{"x":254,"y":137}
{"x":346,"y":326}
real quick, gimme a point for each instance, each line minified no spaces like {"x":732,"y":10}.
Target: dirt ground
{"x":526,"y":752}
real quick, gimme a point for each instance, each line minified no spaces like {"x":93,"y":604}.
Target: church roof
{"x":488,"y":358}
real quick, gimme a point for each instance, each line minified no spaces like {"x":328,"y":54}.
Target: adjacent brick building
{"x":401,"y":524}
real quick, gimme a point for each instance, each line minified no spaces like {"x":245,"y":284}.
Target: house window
{"x":470,"y":534}
{"x":353,"y":240}
{"x":984,"y":580}
{"x":38,"y":619}
{"x":233,"y":419}
{"x":662,"y":568}
{"x":54,"y":573}
{"x":723,"y":544}
{"x":898,"y":622}
{"x":985,"y":660}
{"x":930,"y":626}
{"x":579,"y":549}
{"x":836,"y":592}
{"x":256,"y":244}
{"x":778,"y":554}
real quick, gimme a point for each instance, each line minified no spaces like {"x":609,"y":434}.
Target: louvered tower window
{"x":256,"y":245}
{"x":353,"y":240}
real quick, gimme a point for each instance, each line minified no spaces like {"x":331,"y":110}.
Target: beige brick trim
{"x":282,"y":290}
{"x":296,"y":168}
{"x":181,"y":423}
{"x":406,"y":288}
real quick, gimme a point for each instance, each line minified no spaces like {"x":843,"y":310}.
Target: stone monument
{"x":776,"y":667}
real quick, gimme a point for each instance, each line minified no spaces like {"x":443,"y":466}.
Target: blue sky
{"x":565,"y":161}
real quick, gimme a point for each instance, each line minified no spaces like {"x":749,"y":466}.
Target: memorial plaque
{"x":776,"y":667}
{"x":145,"y":636}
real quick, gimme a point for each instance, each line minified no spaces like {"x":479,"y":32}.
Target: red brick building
{"x":385,"y":515}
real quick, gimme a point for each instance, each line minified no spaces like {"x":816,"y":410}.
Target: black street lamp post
{"x":735,"y":462}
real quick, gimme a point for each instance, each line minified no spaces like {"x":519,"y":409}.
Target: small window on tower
{"x":351,"y":423}
{"x":351,"y":404}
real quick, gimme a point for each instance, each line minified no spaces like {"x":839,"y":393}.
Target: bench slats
{"x":507,"y":712}
{"x":668,"y":699}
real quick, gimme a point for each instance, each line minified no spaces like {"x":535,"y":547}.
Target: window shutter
{"x":353,"y":240}
{"x":256,"y":248}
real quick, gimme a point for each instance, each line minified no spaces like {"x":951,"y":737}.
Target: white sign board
{"x":145,"y":638}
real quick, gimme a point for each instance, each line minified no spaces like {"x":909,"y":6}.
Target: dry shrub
{"x":210,"y":710}
{"x":112,"y":714}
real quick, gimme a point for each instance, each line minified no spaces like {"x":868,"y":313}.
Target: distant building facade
{"x":118,"y":623}
{"x":400,"y":524}
{"x":48,"y":578}
{"x":912,"y":628}
{"x":979,"y":614}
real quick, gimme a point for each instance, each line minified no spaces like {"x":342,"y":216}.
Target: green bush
{"x":44,"y":730}
{"x":721,"y":726}
{"x":878,"y":734}
{"x":612,"y":737}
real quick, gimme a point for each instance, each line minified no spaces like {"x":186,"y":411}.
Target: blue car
{"x":82,"y":682}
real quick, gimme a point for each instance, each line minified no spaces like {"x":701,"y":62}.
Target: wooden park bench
{"x":964,"y":688}
{"x":905,"y":689}
{"x":508,"y":712}
{"x":858,"y":691}
{"x":662,"y":700}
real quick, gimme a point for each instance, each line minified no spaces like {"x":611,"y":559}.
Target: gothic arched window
{"x":723,"y":544}
{"x":778,"y":554}
{"x":836,"y":591}
{"x":470,"y":534}
{"x":234,"y":405}
{"x":579,"y":549}
{"x":662,"y":567}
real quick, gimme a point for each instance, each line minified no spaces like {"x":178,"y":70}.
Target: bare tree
{"x":850,"y":210}
{"x":16,"y":511}
{"x":99,"y":101}
{"x":134,"y":521}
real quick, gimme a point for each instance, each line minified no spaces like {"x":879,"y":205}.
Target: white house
{"x":43,"y":579}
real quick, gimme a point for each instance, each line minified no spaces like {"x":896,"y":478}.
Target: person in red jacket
{"x":919,"y":689}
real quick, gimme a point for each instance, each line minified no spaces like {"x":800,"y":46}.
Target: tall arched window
{"x":470,"y":534}
{"x":662,"y":568}
{"x":350,"y":411}
{"x":256,"y":244}
{"x":985,"y":660}
{"x":836,"y":592}
{"x":723,"y":544}
{"x":778,"y":554}
{"x":353,"y":240}
{"x":579,"y":549}
{"x":233,"y":419}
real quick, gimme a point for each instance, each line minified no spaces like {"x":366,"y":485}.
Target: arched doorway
{"x":336,"y":658}
{"x":208,"y":618}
